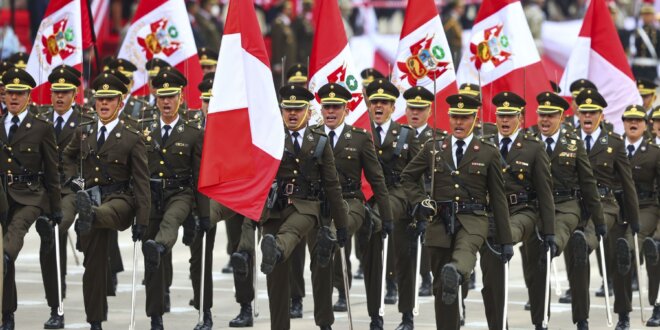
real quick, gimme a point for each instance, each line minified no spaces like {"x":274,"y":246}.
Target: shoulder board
{"x":653,"y":145}
{"x":615,"y":135}
{"x":132,"y":130}
{"x":531,"y":137}
{"x":486,"y":141}
{"x":193,"y":123}
{"x":487,"y":137}
{"x":358,"y":130}
{"x":39,"y":118}
{"x":317,"y":131}
{"x":406,"y":126}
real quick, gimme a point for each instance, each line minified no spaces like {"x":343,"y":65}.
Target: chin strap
{"x":300,"y":123}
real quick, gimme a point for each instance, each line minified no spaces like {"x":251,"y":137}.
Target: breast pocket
{"x":477,"y":170}
{"x":567,"y":162}
{"x":117,"y":158}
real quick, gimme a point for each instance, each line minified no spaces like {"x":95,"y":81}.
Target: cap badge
{"x":460,"y":105}
{"x":418,"y":98}
{"x":106,"y":87}
{"x":588,"y":101}
{"x":166,"y":85}
{"x":292,"y":98}
{"x":61,"y":80}
{"x":381,"y":91}
{"x":506,"y":103}
{"x":17,"y":80}
{"x":547,"y":103}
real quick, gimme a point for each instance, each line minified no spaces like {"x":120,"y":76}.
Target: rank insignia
{"x":347,"y":135}
{"x":521,"y":176}
{"x":518,"y":145}
{"x":180,"y":129}
{"x":609,"y":150}
{"x":72,"y":124}
{"x":395,"y":132}
{"x":643,"y":148}
{"x":310,"y":138}
{"x":28,"y":125}
{"x":476,"y":148}
{"x":572,"y":147}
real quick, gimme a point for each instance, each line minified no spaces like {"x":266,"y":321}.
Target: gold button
{"x":458,"y":198}
{"x":96,"y":179}
{"x":9,"y":148}
{"x":96,"y":169}
{"x":297,"y":160}
{"x":116,"y":161}
{"x":504,"y":170}
{"x":160,"y":174}
{"x":293,"y":180}
{"x":180,"y":153}
{"x":478,"y":172}
{"x":162,"y":162}
{"x":8,"y":160}
{"x":164,"y":150}
{"x":349,"y":157}
{"x":456,"y":186}
{"x":295,"y":172}
{"x":29,"y":149}
{"x":605,"y":164}
{"x":380,"y":152}
{"x":458,"y":172}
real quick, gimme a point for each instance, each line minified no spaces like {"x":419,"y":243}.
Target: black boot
{"x":240,"y":264}
{"x":566,"y":298}
{"x":207,"y":323}
{"x":325,"y":327}
{"x":624,"y":322}
{"x":340,"y":305}
{"x":654,"y":321}
{"x":244,"y":318}
{"x":426,"y":289}
{"x":295,"y":311}
{"x":391,"y":294}
{"x":95,"y":325}
{"x":359,"y":274}
{"x":451,"y":279}
{"x":623,"y":257}
{"x":85,"y":213}
{"x":539,"y":327}
{"x":376,"y":323}
{"x":157,"y":322}
{"x":228,"y":269}
{"x":55,"y":321}
{"x":583,"y":325}
{"x":7,"y":321}
{"x":153,"y":252}
{"x":407,"y":322}
{"x":270,"y":253}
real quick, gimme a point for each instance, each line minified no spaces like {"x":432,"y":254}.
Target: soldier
{"x":573,"y":184}
{"x":29,"y":176}
{"x":65,"y":117}
{"x":418,"y":110}
{"x":646,"y":90}
{"x":395,"y":148}
{"x":647,"y":45}
{"x":297,"y":75}
{"x":19,"y":59}
{"x":208,"y":59}
{"x":528,"y":190}
{"x":645,"y":161}
{"x":4,"y":67}
{"x":174,"y":149}
{"x":303,"y":29}
{"x":576,"y":87}
{"x":284,"y":43}
{"x":132,"y":105}
{"x":471,"y":166}
{"x":611,"y":168}
{"x":153,"y":66}
{"x":116,"y":175}
{"x":368,"y":76}
{"x":307,"y":163}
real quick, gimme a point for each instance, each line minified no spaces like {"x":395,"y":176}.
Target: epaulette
{"x":532,"y":137}
{"x":487,"y":142}
{"x":653,"y":144}
{"x":132,"y":130}
{"x":406,"y":126}
{"x":359,"y":130}
{"x":615,"y":135}
{"x":318,"y":131}
{"x":193,"y":124}
{"x":39,"y":118}
{"x":317,"y":126}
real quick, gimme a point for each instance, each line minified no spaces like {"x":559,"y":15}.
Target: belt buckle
{"x":513,"y":199}
{"x":288,"y":189}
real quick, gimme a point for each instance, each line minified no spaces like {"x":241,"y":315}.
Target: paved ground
{"x":33,"y":311}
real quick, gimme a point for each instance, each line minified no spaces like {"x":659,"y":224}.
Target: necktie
{"x":166,"y":133}
{"x":631,"y":149}
{"x":588,"y":141}
{"x":459,"y":151}
{"x":379,"y":130}
{"x":58,"y":125}
{"x":548,"y":145}
{"x":332,"y":138}
{"x":505,"y":147}
{"x":101,"y":140}
{"x":296,"y":145}
{"x":13,"y":128}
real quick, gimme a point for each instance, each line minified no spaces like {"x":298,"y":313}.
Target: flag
{"x":244,"y":139}
{"x":331,"y":61}
{"x":599,"y":56}
{"x":87,"y":40}
{"x":424,"y":59}
{"x":100,"y":13}
{"x":162,"y":29}
{"x":58,"y":41}
{"x":502,"y":56}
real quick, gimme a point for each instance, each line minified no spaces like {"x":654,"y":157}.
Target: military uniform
{"x":296,"y":212}
{"x":528,"y":190}
{"x":30,"y":178}
{"x":647,"y":45}
{"x":395,"y":148}
{"x":284,"y":46}
{"x":573,"y":185}
{"x":646,"y":90}
{"x":454,"y":238}
{"x":116,"y":174}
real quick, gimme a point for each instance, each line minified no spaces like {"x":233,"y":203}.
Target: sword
{"x":342,"y":252}
{"x":546,"y":301}
{"x":60,"y":307}
{"x":200,"y":321}
{"x":418,"y":258}
{"x":135,"y":262}
{"x":639,"y":276}
{"x":257,"y":250}
{"x":554,"y":274}
{"x":381,"y":310}
{"x":607,"y":289}
{"x":506,"y":295}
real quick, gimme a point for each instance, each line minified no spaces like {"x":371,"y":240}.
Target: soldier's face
{"x":381,"y":110}
{"x":507,"y":124}
{"x":648,"y":100}
{"x":548,"y":123}
{"x":333,"y":114}
{"x":168,"y":106}
{"x":62,"y":100}
{"x":461,"y":125}
{"x":648,"y":19}
{"x":635,"y":128}
{"x":656,"y":127}
{"x":295,"y":119}
{"x":418,"y":117}
{"x":16,"y":101}
{"x":208,"y":68}
{"x":589,"y":121}
{"x":107,"y":108}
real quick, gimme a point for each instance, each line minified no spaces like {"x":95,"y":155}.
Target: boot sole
{"x":151,"y":256}
{"x":650,"y":251}
{"x":340,"y":308}
{"x":246,"y":325}
{"x":579,"y":243}
{"x":240,"y":265}
{"x":85,"y":216}
{"x":623,"y":261}
{"x":450,"y":281}
{"x":269,"y":254}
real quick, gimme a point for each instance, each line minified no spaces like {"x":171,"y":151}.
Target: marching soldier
{"x":574,"y":191}
{"x":116,"y":175}
{"x":65,"y":117}
{"x":297,"y":75}
{"x":153,"y":66}
{"x":418,"y":110}
{"x":284,"y":43}
{"x":368,"y":76}
{"x":395,"y":148}
{"x":208,"y":59}
{"x":30,"y":177}
{"x":528,"y":190}
{"x":647,"y":45}
{"x":645,"y":161}
{"x":647,"y":92}
{"x":471,"y":167}
{"x":611,"y":168}
{"x":19,"y":59}
{"x":132,"y":105}
{"x":655,"y":121}
{"x":174,"y":149}
{"x":354,"y":153}
{"x":307,"y":170}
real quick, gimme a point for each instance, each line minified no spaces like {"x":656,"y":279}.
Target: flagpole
{"x":91,"y":27}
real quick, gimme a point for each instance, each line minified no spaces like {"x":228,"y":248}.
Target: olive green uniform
{"x":119,"y":168}
{"x":30,"y":171}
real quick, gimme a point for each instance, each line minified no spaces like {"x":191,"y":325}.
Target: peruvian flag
{"x":244,"y":119}
{"x":502,"y":56}
{"x":162,"y":29}
{"x":59,"y":41}
{"x":424,"y":59}
{"x":599,"y":56}
{"x":331,"y":61}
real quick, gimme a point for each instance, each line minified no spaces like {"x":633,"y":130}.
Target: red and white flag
{"x":331,"y":61}
{"x":424,"y":59}
{"x":599,"y":56}
{"x":59,"y":41}
{"x":244,"y":119}
{"x":162,"y":29}
{"x":502,"y":56}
